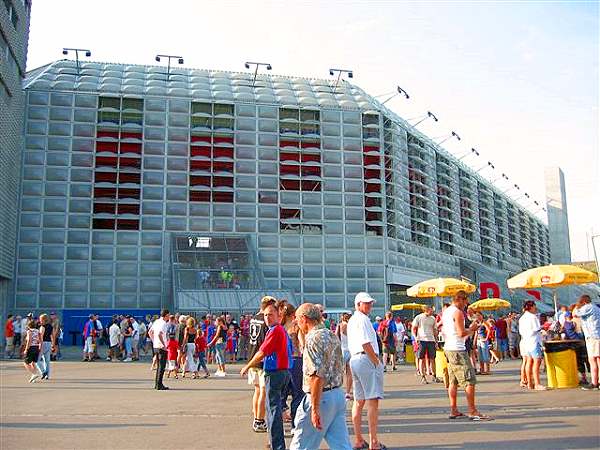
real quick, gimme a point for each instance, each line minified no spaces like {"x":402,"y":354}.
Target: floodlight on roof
{"x":349,"y":74}
{"x":169,"y":58}
{"x":247,"y":65}
{"x":85,"y":51}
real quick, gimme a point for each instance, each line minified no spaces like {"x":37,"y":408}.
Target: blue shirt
{"x":590,"y":320}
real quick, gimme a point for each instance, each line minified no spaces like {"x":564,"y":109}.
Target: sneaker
{"x":219,"y":373}
{"x":34,"y":378}
{"x":108,"y":358}
{"x":424,"y":380}
{"x":127,"y":360}
{"x":259,"y":426}
{"x":590,"y":387}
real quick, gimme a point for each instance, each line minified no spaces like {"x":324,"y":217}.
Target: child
{"x":32,"y":350}
{"x":201,"y":352}
{"x":232,"y":338}
{"x":172,"y":348}
{"x":210,"y":333}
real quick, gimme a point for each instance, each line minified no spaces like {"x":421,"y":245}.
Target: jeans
{"x":160,"y":370}
{"x":220,"y":354}
{"x":333,"y":422}
{"x":276,"y":382}
{"x":44,"y":358}
{"x":128,"y":347}
{"x":294,"y":387}
{"x":202,"y":361}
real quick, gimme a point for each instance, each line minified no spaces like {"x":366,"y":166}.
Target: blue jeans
{"x":44,"y":358}
{"x":202,"y":361}
{"x":333,"y":421}
{"x":294,"y":387}
{"x":220,"y":354}
{"x":276,"y":382}
{"x":128,"y":347}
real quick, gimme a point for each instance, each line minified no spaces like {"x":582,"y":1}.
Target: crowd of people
{"x":304,"y":367}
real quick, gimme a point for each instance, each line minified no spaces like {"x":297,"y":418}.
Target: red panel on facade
{"x":206,"y":139}
{"x":289,"y":185}
{"x":310,"y":144}
{"x":372,"y":187}
{"x":102,"y":146}
{"x":130,"y":162}
{"x":128,"y":224}
{"x":311,"y":157}
{"x":105,"y":192}
{"x":223,"y":139}
{"x":285,"y":169}
{"x":129,"y":178}
{"x":289,"y":213}
{"x":311,"y":170}
{"x":103,"y":224}
{"x":222,"y":197}
{"x":199,"y":196}
{"x":308,"y":185}
{"x":289,"y":156}
{"x":105,"y":177}
{"x":288,"y":143}
{"x":104,"y":208}
{"x":106,"y":161}
{"x":200,"y":151}
{"x":131,"y":147}
{"x":128,"y":193}
{"x":222,"y":166}
{"x":200,"y":165}
{"x":124,"y":208}
{"x":222,"y":181}
{"x":370,"y":215}
{"x":107,"y":134}
{"x":369,"y":160}
{"x":370,"y":148}
{"x":372,"y":173}
{"x":197,"y":180}
{"x":222,"y":152}
{"x":131,"y":135}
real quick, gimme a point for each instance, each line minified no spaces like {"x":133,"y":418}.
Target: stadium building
{"x":202,"y":190}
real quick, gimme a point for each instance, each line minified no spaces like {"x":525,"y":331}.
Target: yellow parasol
{"x":405,"y":306}
{"x":440,"y":287}
{"x":490,"y":304}
{"x":552,"y":276}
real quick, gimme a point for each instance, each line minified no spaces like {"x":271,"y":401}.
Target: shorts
{"x":389,"y":349}
{"x":171,"y":364}
{"x":535,"y":353}
{"x":426,"y":348}
{"x":32,"y":355}
{"x":346,"y":356}
{"x":367,"y":380}
{"x":10,"y":344}
{"x":593,"y":347}
{"x":88,"y":346}
{"x":483,"y":352}
{"x":460,"y":369}
{"x":256,"y":377}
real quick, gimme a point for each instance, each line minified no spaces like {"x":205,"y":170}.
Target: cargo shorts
{"x":460,"y":369}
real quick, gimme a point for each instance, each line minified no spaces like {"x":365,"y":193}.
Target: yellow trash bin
{"x":441,"y":364}
{"x":410,"y":354}
{"x":561,"y":369}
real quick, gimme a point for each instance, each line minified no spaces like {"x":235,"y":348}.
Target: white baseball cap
{"x":363,"y":297}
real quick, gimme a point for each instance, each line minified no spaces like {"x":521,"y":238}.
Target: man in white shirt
{"x":158,"y":334}
{"x":400,"y":333}
{"x":114,"y":335}
{"x":367,"y":371}
{"x":531,"y":345}
{"x":460,"y":370}
{"x":135,"y":339}
{"x":423,"y":327}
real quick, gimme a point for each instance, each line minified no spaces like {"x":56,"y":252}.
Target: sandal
{"x":363,"y":446}
{"x":456,"y":416}
{"x":480,"y":418}
{"x":381,"y":447}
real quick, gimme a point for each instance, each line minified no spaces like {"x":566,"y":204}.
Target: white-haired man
{"x":367,"y":371}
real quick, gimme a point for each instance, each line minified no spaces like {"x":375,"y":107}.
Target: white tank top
{"x":344,"y":340}
{"x":452,"y":341}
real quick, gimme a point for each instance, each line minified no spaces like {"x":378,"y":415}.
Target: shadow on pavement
{"x":61,"y":426}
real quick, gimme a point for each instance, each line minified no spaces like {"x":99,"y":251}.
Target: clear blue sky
{"x":517,"y":80}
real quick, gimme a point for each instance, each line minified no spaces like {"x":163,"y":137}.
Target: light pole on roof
{"x":451,"y":135}
{"x":332,"y":72}
{"x":399,"y":90}
{"x":85,"y":51}
{"x":179,"y":59}
{"x":427,"y":116}
{"x":247,"y":65}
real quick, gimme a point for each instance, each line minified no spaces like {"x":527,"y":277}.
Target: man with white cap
{"x":367,"y":371}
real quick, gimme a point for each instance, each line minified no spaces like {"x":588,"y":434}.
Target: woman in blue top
{"x":483,"y":346}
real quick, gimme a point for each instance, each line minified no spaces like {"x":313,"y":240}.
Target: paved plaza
{"x":103,"y":405}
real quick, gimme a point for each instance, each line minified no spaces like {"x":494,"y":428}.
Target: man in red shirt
{"x":276,"y":354}
{"x":9,"y":334}
{"x":502,"y":336}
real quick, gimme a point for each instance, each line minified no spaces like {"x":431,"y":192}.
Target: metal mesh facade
{"x":336,"y":193}
{"x":14,"y":31}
